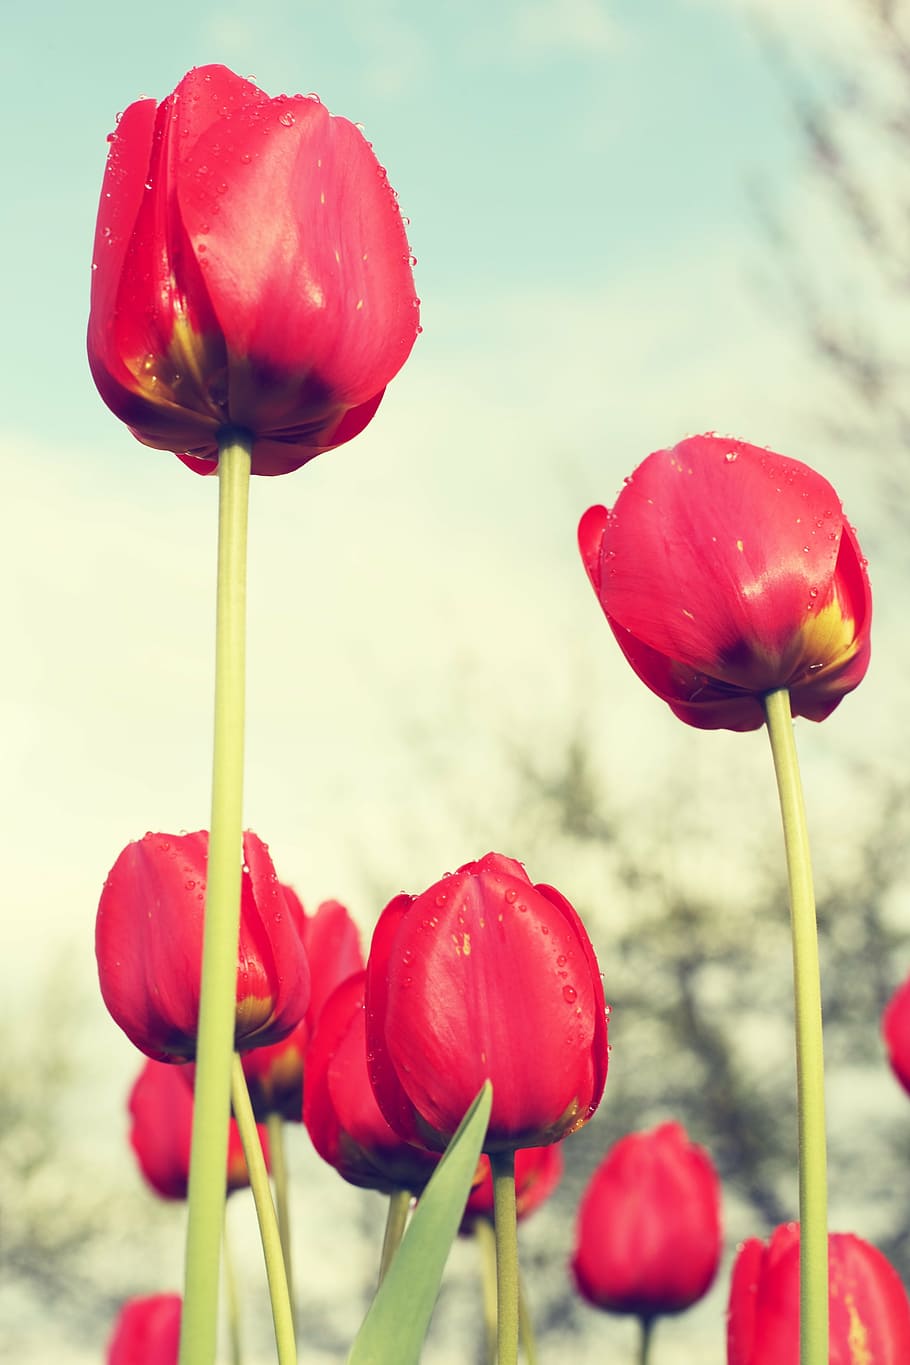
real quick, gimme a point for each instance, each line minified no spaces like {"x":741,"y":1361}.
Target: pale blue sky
{"x":575,"y":173}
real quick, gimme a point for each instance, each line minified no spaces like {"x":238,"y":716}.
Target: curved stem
{"x":278,"y":1154}
{"x":810,"y":1075}
{"x":485,"y":1238}
{"x":503,"y":1165}
{"x":268,"y":1219}
{"x":647,"y":1334}
{"x":217,"y":1005}
{"x":396,"y":1217}
{"x":526,"y":1327}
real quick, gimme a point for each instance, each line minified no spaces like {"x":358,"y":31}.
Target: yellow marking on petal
{"x":857,"y":1336}
{"x":466,"y":945}
{"x":358,"y":305}
{"x":322,"y":197}
{"x":739,"y":546}
{"x":686,"y":612}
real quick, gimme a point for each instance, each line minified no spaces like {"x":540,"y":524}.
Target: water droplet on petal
{"x":569,"y":994}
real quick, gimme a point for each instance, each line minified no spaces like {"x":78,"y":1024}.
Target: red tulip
{"x":896,"y":1032}
{"x":275,"y":1074}
{"x":340,"y":1110}
{"x":538,"y":1170}
{"x":251,"y":270}
{"x":161,"y":1110}
{"x":485,"y":976}
{"x":147,"y":1332}
{"x":869,"y":1315}
{"x":727,"y":572}
{"x":148,"y":942}
{"x":648,"y":1239}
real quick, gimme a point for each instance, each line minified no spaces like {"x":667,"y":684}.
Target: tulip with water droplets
{"x":727,"y":572}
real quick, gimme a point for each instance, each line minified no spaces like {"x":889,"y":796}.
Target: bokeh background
{"x":632,"y":223}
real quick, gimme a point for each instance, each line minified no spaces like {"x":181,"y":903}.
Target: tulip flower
{"x":727,"y":572}
{"x":148,"y":942}
{"x":339,"y":1108}
{"x":538,"y":1170}
{"x":161,"y":1113}
{"x":147,"y":1332}
{"x":485,"y":976}
{"x":648,"y":1239}
{"x":896,"y":1033}
{"x":275,"y":1074}
{"x":869,"y":1315}
{"x":251,"y":271}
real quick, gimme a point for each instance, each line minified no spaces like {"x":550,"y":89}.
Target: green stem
{"x":268,"y":1219}
{"x":647,"y":1335}
{"x":810,"y":1075}
{"x":278,"y":1154}
{"x":233,"y":1300}
{"x":506,"y":1224}
{"x":396,"y":1217}
{"x":217,"y":1005}
{"x":486,"y":1243}
{"x":526,"y":1327}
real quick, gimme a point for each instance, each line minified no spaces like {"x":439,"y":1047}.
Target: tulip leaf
{"x":396,"y":1324}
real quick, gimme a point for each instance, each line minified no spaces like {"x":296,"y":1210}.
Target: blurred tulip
{"x":538,"y":1170}
{"x":896,"y":1032}
{"x":251,"y":270}
{"x":869,"y":1315}
{"x":275,"y":1074}
{"x":148,"y":942}
{"x":340,"y":1111}
{"x":648,"y":1239}
{"x":147,"y":1332}
{"x":727,"y":572}
{"x":485,"y":976}
{"x":161,"y":1112}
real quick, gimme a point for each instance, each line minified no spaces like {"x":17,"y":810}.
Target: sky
{"x":578,"y":176}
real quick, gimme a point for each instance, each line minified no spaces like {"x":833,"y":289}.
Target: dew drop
{"x":730,"y":456}
{"x":561,"y":960}
{"x":569,"y":994}
{"x":191,"y":886}
{"x":441,"y":898}
{"x":287,"y":119}
{"x":511,"y":895}
{"x":544,"y":928}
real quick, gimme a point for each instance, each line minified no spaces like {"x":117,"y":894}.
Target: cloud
{"x":581,"y":27}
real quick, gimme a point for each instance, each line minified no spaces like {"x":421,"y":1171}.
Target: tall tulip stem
{"x":645,"y":1338}
{"x":268,"y":1219}
{"x":810,"y":1078}
{"x":396,"y":1217}
{"x":277,"y":1151}
{"x":506,"y":1223}
{"x":217,"y":1006}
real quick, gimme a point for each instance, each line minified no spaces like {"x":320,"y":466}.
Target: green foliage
{"x":396,"y":1324}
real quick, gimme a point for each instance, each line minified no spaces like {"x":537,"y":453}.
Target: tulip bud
{"x":648,"y":1240}
{"x":251,"y":270}
{"x":275,"y":1074}
{"x":161,"y":1113}
{"x":727,"y":572}
{"x":147,"y":1332}
{"x":896,"y":1032}
{"x":340,"y":1110}
{"x":868,"y":1312}
{"x":148,"y":942}
{"x":485,"y":976}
